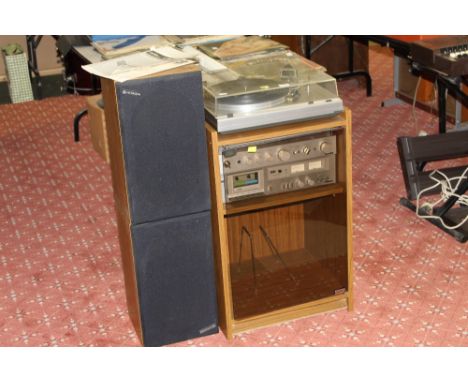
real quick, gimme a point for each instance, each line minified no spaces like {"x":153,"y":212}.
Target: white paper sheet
{"x":133,"y":66}
{"x":110,"y":48}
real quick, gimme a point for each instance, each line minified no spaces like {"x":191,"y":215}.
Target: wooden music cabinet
{"x":284,"y":256}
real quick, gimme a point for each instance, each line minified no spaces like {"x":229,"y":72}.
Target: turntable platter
{"x":249,"y":94}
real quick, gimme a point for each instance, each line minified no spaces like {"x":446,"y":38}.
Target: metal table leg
{"x":352,"y":73}
{"x":76,"y":123}
{"x":33,"y":42}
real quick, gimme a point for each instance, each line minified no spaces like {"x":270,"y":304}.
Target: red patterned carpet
{"x":61,"y":281}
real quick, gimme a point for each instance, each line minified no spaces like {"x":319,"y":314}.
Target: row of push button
{"x":298,"y":183}
{"x":456,"y":51}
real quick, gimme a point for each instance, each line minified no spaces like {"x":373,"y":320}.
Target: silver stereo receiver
{"x":278,"y":165}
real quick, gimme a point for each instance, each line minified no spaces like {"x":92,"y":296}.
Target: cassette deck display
{"x":268,"y":89}
{"x":273,"y":167}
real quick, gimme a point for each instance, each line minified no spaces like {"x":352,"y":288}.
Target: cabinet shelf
{"x":327,"y":304}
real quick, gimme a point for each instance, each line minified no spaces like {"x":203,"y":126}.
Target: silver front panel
{"x":275,"y":116}
{"x":272,"y":167}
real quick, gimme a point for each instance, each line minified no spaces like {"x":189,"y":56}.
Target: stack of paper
{"x":198,"y":39}
{"x":246,"y":45}
{"x":189,"y":52}
{"x":121,"y":46}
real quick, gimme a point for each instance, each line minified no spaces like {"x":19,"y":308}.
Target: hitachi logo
{"x":131,"y":92}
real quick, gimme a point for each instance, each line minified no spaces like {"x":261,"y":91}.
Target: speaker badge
{"x":131,"y":92}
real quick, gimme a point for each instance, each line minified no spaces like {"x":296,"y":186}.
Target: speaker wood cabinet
{"x":161,"y":189}
{"x":283,"y":256}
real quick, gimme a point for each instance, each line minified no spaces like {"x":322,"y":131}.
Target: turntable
{"x":268,"y":89}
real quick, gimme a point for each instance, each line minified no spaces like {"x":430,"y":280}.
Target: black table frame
{"x":443,"y":81}
{"x":32,"y":43}
{"x":309,"y":50}
{"x":96,"y":89}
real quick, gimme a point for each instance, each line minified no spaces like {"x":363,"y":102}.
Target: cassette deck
{"x":276,"y":166}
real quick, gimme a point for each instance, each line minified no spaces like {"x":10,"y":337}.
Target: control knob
{"x":298,"y":183}
{"x":267,"y":156}
{"x":326,"y":147}
{"x":284,"y":155}
{"x":246,"y":160}
{"x":309,"y":181}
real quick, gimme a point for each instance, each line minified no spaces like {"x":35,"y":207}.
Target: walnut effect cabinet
{"x":302,"y":239}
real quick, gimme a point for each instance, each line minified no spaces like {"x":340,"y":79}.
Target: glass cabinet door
{"x":288,"y":255}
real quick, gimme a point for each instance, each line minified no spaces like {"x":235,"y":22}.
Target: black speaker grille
{"x":176,"y":283}
{"x":163,"y":136}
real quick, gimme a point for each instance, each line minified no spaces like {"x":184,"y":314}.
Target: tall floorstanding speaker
{"x":160,"y":176}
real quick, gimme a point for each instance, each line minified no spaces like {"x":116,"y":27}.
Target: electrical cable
{"x":447,"y":191}
{"x":413,"y":108}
